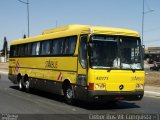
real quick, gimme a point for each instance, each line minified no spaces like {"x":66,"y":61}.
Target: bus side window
{"x":45,"y":48}
{"x":83,"y":51}
{"x":13,"y":51}
{"x":57,"y":46}
{"x":27,"y":49}
{"x":20,"y":50}
{"x":35,"y":48}
{"x":70,"y":45}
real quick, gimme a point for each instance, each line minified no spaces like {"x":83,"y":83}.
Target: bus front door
{"x":81,"y":89}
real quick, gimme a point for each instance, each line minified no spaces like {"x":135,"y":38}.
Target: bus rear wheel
{"x":27,"y":85}
{"x":20,"y":84}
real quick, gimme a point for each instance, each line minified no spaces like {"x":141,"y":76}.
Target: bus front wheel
{"x":68,"y":94}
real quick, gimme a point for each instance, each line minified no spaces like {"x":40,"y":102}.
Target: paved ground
{"x":17,"y":102}
{"x":3,"y":67}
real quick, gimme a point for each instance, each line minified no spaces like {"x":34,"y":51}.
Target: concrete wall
{"x":2,"y":59}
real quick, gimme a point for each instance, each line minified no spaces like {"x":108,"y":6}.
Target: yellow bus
{"x":89,"y":63}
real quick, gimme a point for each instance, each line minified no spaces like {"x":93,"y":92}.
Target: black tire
{"x":68,"y":94}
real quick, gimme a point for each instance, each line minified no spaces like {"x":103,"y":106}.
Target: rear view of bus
{"x":115,"y":66}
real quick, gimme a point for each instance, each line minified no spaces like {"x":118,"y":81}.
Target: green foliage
{"x":5,"y":47}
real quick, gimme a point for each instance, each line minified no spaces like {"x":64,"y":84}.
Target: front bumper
{"x":115,"y":96}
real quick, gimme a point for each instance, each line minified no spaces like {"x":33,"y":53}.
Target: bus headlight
{"x":139,"y":86}
{"x":100,"y":86}
{"x":97,"y":86}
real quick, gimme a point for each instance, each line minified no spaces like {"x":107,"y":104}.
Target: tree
{"x":5,"y":47}
{"x":24,"y":36}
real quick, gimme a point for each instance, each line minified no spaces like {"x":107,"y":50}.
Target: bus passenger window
{"x":28,"y":49}
{"x":35,"y":48}
{"x":13,"y":51}
{"x":70,"y":45}
{"x":57,"y":47}
{"x":83,"y":51}
{"x":20,"y":50}
{"x":45,"y":48}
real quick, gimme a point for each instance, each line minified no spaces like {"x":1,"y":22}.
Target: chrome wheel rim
{"x":20,"y":85}
{"x":27,"y":84}
{"x":69,"y":93}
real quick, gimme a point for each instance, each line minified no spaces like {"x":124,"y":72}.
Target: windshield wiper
{"x":109,"y":69}
{"x":112,"y":68}
{"x":133,"y":70}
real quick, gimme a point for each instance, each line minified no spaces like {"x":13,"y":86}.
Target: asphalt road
{"x":13,"y":101}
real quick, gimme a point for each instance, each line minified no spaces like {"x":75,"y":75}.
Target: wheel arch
{"x":19,"y":77}
{"x":65,"y":83}
{"x":25,"y":77}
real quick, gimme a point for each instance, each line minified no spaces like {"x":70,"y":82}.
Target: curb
{"x":3,"y":72}
{"x":152,"y":93}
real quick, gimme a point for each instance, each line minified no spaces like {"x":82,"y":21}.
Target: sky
{"x":46,"y":14}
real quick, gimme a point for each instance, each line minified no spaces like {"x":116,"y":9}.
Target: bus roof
{"x":76,"y":29}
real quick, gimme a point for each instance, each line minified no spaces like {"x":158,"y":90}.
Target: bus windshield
{"x":115,"y":52}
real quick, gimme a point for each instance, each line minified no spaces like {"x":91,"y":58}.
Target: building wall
{"x":2,"y":59}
